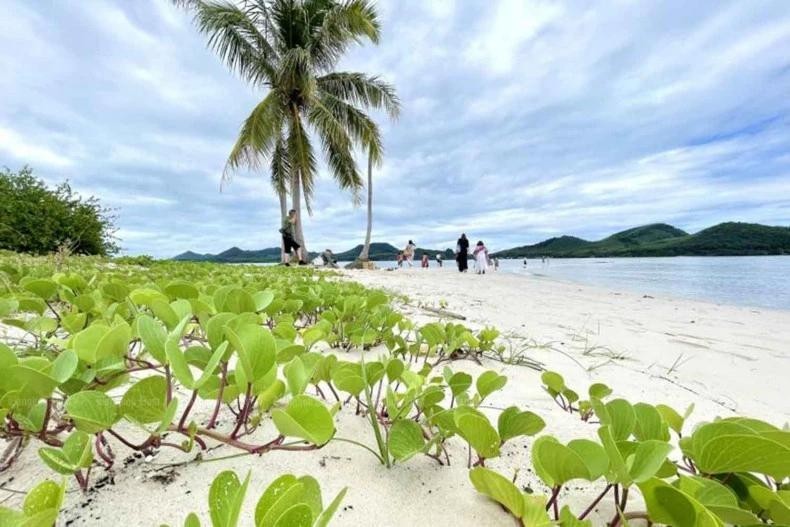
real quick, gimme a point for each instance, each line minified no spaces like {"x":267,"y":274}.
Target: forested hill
{"x":378,"y":252}
{"x":660,"y":239}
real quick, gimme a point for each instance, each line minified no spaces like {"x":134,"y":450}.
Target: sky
{"x":521,"y":120}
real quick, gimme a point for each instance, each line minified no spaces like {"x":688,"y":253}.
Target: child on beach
{"x":439,"y":259}
{"x":424,"y":261}
{"x":481,"y":257}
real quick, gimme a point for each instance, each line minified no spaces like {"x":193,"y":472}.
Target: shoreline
{"x":732,"y":357}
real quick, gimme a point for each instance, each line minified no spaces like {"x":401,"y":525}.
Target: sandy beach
{"x":725,"y":360}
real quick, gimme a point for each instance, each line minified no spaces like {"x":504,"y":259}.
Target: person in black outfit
{"x":462,"y":253}
{"x":289,"y":238}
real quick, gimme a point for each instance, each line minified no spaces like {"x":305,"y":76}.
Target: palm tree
{"x":291,"y":48}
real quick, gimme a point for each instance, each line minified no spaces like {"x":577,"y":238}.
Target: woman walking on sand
{"x":462,"y":253}
{"x":408,"y":252}
{"x":481,"y":257}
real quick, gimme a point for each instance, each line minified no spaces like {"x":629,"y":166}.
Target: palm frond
{"x":294,"y":76}
{"x":280,"y":166}
{"x":340,"y":26}
{"x":258,"y":136}
{"x":303,"y":162}
{"x":362,"y":90}
{"x":360,"y":127}
{"x":233,"y":35}
{"x":337,"y":147}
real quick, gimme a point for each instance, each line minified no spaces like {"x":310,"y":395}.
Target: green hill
{"x":661,"y":239}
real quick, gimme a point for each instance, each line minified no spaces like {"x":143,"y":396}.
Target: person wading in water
{"x":289,"y":241}
{"x":462,"y":253}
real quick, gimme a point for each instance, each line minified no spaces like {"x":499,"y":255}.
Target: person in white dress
{"x":481,"y":258}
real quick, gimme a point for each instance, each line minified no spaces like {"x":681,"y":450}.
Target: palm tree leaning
{"x":291,"y":48}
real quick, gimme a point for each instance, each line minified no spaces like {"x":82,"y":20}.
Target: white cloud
{"x":28,"y":150}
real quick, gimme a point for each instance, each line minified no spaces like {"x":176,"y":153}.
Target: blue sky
{"x":521,"y":120}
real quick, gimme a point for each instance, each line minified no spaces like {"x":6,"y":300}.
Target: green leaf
{"x":276,"y":491}
{"x":256,"y":349}
{"x":621,"y":417}
{"x":499,"y":489}
{"x":64,"y":366}
{"x":43,"y":503}
{"x":649,"y":423}
{"x":347,"y":377}
{"x":225,"y":498}
{"x":91,"y":411}
{"x":74,"y":322}
{"x":513,"y":423}
{"x":192,"y":520}
{"x":43,"y":288}
{"x":553,"y":382}
{"x":599,"y":391}
{"x":669,"y":505}
{"x":181,"y":289}
{"x":475,"y":428}
{"x":489,"y":382}
{"x":146,"y":401}
{"x":297,"y":376}
{"x":86,"y":342}
{"x":326,"y":516}
{"x":556,"y":464}
{"x":732,"y":446}
{"x":288,"y":500}
{"x":305,"y":418}
{"x":154,"y":336}
{"x":567,"y":519}
{"x":271,"y":395}
{"x":648,"y":459}
{"x":405,"y":439}
{"x":459,"y":383}
{"x":299,"y":515}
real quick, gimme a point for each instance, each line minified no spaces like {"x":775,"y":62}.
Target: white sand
{"x":733,"y":361}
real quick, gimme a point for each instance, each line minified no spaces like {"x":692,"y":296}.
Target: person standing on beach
{"x":439,"y":259}
{"x":481,"y":257}
{"x":462,"y":253}
{"x":289,"y":241}
{"x":408,"y":252}
{"x":424,"y":262}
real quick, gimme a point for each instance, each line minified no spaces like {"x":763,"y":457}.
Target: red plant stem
{"x":142,"y":446}
{"x":619,"y":508}
{"x":42,"y":434}
{"x":332,"y":388}
{"x":213,"y":421}
{"x":108,"y":460}
{"x":82,"y":480}
{"x":552,"y":503}
{"x":595,"y":502}
{"x":187,"y":410}
{"x":243,"y":412}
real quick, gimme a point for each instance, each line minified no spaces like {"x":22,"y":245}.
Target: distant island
{"x":378,"y":252}
{"x":658,"y":239}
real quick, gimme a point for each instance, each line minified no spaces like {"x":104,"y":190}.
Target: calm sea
{"x":753,"y":281}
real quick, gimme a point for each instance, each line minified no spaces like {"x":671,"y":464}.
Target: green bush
{"x":38,"y":220}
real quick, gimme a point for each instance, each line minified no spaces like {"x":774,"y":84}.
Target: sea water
{"x":754,"y":281}
{"x":751,"y":281}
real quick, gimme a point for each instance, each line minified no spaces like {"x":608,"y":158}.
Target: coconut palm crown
{"x":290,"y":48}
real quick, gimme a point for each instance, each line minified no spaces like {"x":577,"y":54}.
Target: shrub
{"x":38,"y":220}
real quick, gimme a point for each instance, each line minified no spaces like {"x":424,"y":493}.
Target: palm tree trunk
{"x":283,"y":213}
{"x":365,"y":254}
{"x":296,"y":204}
